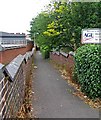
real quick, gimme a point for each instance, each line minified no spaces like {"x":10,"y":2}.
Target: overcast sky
{"x":15,"y":15}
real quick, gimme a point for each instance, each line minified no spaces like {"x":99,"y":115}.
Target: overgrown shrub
{"x":88,"y":68}
{"x":45,"y":52}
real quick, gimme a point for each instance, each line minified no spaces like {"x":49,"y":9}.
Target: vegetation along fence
{"x":12,"y":84}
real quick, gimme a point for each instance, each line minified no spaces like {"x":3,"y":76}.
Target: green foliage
{"x":45,"y":54}
{"x":45,"y":51}
{"x":88,"y":68}
{"x":38,"y":26}
{"x":61,"y":24}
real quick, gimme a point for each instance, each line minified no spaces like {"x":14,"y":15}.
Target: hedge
{"x":88,"y":68}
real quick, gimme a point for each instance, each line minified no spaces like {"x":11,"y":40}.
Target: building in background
{"x":11,"y":45}
{"x":11,"y":38}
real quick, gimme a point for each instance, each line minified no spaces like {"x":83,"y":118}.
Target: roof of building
{"x":11,"y":34}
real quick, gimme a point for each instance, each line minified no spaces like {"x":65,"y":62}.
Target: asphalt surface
{"x":51,"y":96}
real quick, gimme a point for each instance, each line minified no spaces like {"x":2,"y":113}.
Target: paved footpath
{"x":52,"y":98}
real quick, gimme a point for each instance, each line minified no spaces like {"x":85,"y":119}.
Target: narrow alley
{"x":52,"y":98}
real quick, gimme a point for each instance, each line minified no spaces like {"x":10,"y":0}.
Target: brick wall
{"x":63,"y":59}
{"x":29,"y":46}
{"x":12,"y":91}
{"x":9,"y":54}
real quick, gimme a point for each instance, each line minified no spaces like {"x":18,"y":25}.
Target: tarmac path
{"x":52,"y":98}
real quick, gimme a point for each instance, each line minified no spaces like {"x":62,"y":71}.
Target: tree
{"x":61,"y":24}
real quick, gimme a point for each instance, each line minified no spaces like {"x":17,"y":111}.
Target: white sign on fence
{"x":91,"y":36}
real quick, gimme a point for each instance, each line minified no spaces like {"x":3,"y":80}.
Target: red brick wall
{"x":29,"y":47}
{"x":62,"y":60}
{"x":8,"y":55}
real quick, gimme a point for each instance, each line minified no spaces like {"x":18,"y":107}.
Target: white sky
{"x":15,"y":15}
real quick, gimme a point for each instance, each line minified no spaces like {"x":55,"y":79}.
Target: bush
{"x":45,"y":52}
{"x":88,"y":68}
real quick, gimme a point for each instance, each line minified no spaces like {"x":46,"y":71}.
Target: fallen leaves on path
{"x":65,"y":74}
